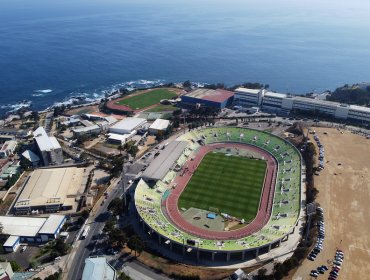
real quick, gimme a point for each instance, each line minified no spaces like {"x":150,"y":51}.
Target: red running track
{"x":264,"y":211}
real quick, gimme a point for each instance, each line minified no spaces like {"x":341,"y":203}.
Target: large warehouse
{"x":27,"y":229}
{"x":51,"y":190}
{"x":218,"y":98}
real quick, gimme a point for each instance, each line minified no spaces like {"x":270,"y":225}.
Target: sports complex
{"x":221,"y":194}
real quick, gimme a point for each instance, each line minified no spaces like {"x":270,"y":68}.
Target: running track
{"x":264,"y":211}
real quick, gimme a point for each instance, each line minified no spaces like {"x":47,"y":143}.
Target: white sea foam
{"x":43,"y":90}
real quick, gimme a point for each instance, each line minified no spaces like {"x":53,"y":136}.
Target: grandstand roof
{"x":218,"y":95}
{"x":159,"y":167}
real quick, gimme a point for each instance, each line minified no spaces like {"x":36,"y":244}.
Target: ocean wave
{"x":16,"y":106}
{"x":43,"y":90}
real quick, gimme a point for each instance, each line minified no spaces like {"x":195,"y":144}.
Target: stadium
{"x":224,"y":194}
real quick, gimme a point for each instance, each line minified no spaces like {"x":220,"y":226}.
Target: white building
{"x":280,"y":102}
{"x":8,"y":148}
{"x":120,"y":138}
{"x":29,"y":230}
{"x":247,"y":97}
{"x":159,"y":125}
{"x":88,"y":130}
{"x":49,"y":148}
{"x":127,"y":125}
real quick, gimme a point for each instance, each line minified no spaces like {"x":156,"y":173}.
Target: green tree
{"x":117,"y":238}
{"x":117,"y":206}
{"x":15,"y":266}
{"x":135,"y":243}
{"x":186,"y":84}
{"x":123,"y":276}
{"x":61,"y":247}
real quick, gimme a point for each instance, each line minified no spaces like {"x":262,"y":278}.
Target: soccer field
{"x":231,"y":184}
{"x":147,"y":99}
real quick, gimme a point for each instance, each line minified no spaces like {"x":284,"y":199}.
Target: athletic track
{"x":264,"y":211}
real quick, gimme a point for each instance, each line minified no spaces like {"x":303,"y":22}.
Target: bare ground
{"x":344,"y":193}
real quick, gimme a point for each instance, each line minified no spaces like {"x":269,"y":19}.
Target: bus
{"x":85,"y":232}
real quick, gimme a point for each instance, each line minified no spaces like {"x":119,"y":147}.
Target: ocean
{"x":51,"y":51}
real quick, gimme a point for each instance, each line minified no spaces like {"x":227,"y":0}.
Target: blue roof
{"x":98,"y":269}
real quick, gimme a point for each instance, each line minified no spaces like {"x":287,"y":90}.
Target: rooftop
{"x":160,"y":124}
{"x":53,"y":186}
{"x":275,"y":94}
{"x":31,"y":156}
{"x":45,"y":142}
{"x":52,"y":224}
{"x":98,"y":269}
{"x":218,"y":95}
{"x":129,"y":123}
{"x":248,"y":90}
{"x":21,"y":226}
{"x":159,"y":167}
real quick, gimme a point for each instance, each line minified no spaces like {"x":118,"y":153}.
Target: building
{"x":159,"y":125}
{"x":120,"y":139}
{"x":165,"y":161}
{"x":247,"y":97}
{"x":284,"y":103}
{"x":8,"y":148}
{"x":127,"y":125}
{"x":98,"y":269}
{"x":87,"y":130}
{"x":6,"y":271}
{"x":31,"y":157}
{"x":29,"y":230}
{"x":52,"y":190}
{"x":218,"y":98}
{"x":48,"y":147}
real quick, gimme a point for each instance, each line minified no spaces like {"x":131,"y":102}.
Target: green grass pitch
{"x":147,"y":99}
{"x":230,"y":183}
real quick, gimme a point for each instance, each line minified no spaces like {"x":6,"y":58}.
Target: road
{"x":84,"y":248}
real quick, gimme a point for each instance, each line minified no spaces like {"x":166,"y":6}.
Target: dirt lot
{"x":344,"y":193}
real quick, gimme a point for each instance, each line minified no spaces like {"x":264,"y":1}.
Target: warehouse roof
{"x":11,"y":241}
{"x":248,"y":90}
{"x":21,"y":226}
{"x":52,"y":186}
{"x":52,"y":224}
{"x":160,"y":124}
{"x":98,"y":269}
{"x":129,"y":123}
{"x":159,"y":167}
{"x":45,"y":142}
{"x":86,"y":128}
{"x":218,"y":95}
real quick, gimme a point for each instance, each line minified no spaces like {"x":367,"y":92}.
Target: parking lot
{"x":344,"y":195}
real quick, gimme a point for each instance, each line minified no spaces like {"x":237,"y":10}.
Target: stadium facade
{"x":278,"y":213}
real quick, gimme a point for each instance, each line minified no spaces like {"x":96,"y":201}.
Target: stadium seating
{"x":285,"y":201}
